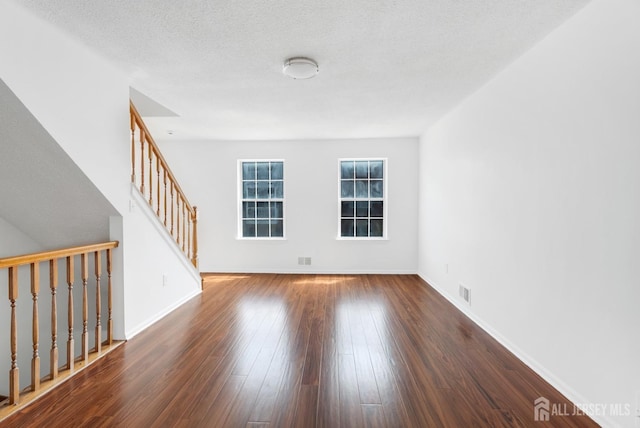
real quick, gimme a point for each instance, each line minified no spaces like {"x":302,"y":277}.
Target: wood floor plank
{"x":373,"y":416}
{"x":288,"y":394}
{"x":367,"y":385}
{"x":350,"y":410}
{"x":219,"y":409}
{"x":329,"y":386}
{"x":306,"y":351}
{"x":307,"y":407}
{"x":313,"y":356}
{"x":266,"y":400}
{"x":394,"y":409}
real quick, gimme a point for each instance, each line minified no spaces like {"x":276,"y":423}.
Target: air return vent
{"x":305,"y":261}
{"x":465,"y":293}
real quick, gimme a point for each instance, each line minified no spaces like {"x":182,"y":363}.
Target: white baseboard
{"x":314,"y":272}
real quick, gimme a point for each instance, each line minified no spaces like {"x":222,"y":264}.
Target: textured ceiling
{"x":387,"y":68}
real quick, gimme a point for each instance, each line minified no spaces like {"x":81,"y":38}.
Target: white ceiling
{"x":387,"y":67}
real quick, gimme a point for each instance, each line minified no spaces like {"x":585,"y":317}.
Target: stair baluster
{"x":35,"y":327}
{"x":53,"y":283}
{"x":98,"y":272}
{"x":70,"y":341}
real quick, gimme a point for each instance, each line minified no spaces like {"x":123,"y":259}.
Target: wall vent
{"x":304,"y":261}
{"x":465,"y":293}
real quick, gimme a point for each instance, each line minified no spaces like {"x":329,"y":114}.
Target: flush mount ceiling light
{"x":300,"y":68}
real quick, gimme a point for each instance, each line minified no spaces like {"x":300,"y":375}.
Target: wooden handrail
{"x":54,"y":254}
{"x":159,"y":186}
{"x":87,"y":254}
{"x":137,"y":121}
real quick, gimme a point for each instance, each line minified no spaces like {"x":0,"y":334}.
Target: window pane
{"x":376,"y":169}
{"x":362,"y":189}
{"x":376,"y":227}
{"x":248,"y":189}
{"x":276,"y":228}
{"x":346,"y":227}
{"x":362,"y":195}
{"x":376,"y":209}
{"x":262,"y":206}
{"x":262,"y":170}
{"x":262,"y":228}
{"x":262,"y":210}
{"x":277,"y":191}
{"x":248,"y":228}
{"x":362,"y":209}
{"x":276,"y":209}
{"x":377,"y":189}
{"x":263,"y":189}
{"x":276,"y":170}
{"x":362,"y":227}
{"x":346,"y":169}
{"x":248,"y":209}
{"x":362,"y":169}
{"x":347,"y":189}
{"x":248,"y":170}
{"x":347,"y":209}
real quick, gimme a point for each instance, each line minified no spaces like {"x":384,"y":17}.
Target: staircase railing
{"x":91,"y":258}
{"x":153,"y":177}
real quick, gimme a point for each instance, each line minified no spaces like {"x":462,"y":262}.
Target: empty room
{"x":320,"y":213}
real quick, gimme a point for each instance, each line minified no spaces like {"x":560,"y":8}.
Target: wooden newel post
{"x":14,"y":377}
{"x":194,"y":219}
{"x":109,"y":300}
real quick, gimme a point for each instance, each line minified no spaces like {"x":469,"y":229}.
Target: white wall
{"x":529,"y":196}
{"x":14,"y":242}
{"x":207,"y":171}
{"x":78,"y":97}
{"x":43,"y":190}
{"x":83,"y":102}
{"x":151,"y":255}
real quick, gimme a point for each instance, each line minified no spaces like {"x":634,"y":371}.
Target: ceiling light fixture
{"x":300,"y":68}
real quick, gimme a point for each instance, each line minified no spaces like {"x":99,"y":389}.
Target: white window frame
{"x":241,"y":199}
{"x":385,"y":206}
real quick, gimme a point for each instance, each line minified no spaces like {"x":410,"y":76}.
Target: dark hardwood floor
{"x":304,"y":351}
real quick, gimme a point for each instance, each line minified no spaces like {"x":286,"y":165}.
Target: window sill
{"x":362,"y":238}
{"x":242,"y":238}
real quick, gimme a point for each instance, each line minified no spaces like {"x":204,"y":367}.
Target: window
{"x":262,"y":199}
{"x":362,"y":204}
